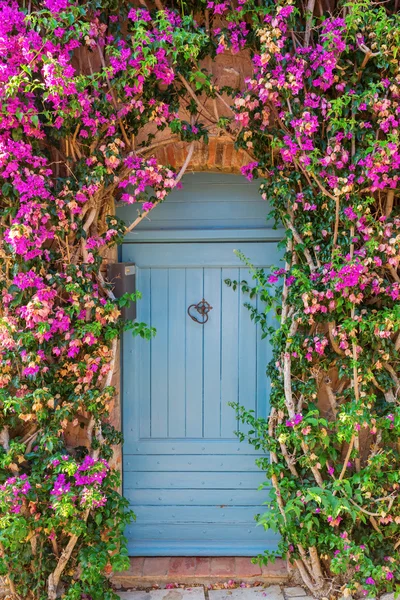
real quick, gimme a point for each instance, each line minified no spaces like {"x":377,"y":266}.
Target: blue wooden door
{"x":191,"y":483}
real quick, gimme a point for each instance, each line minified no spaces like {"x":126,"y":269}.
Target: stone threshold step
{"x":199,"y":569}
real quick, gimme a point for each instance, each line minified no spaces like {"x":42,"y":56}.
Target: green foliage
{"x":334,"y":425}
{"x":319,"y":116}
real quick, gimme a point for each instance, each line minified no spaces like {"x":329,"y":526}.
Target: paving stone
{"x":295,"y":592}
{"x":388,"y":596}
{"x":273,"y":592}
{"x":132,"y":595}
{"x":196,"y":593}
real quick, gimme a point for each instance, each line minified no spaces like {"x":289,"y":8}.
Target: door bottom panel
{"x":199,"y":548}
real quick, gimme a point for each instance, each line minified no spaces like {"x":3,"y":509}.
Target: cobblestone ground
{"x":271,"y":592}
{"x":210,"y":578}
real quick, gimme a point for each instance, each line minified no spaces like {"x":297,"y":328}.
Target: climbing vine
{"x":321,"y":114}
{"x":89,"y":91}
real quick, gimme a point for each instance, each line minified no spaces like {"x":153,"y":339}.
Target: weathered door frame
{"x":194,"y":236}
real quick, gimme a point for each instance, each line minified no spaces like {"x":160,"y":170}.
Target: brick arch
{"x":219,"y":155}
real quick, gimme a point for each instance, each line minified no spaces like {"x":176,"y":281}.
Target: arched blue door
{"x":191,"y":483}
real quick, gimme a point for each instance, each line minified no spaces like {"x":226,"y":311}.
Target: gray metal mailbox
{"x":122,"y":276}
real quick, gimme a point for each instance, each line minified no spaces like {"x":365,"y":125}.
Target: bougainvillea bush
{"x":85,"y":90}
{"x":322,"y":117}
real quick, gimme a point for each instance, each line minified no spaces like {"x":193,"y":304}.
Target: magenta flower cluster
{"x":13,"y":493}
{"x":82,"y":484}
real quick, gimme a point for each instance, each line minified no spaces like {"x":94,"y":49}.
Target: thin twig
{"x":5,"y":438}
{"x":397,"y":343}
{"x":310,"y":16}
{"x":195,"y":98}
{"x":346,"y":460}
{"x":331,"y":398}
{"x":389,"y":203}
{"x":393,"y":273}
{"x":178,"y":178}
{"x":224,"y":103}
{"x":336,"y":228}
{"x":375,"y":525}
{"x":185,"y":164}
{"x":334,"y":344}
{"x":393,"y":374}
{"x":103,"y":63}
{"x":313,"y":468}
{"x":306,"y":252}
{"x":287,"y":377}
{"x":363,"y":510}
{"x":114,"y":351}
{"x":55,"y":576}
{"x":89,"y":220}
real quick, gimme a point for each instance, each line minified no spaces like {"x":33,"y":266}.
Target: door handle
{"x":203,"y":308}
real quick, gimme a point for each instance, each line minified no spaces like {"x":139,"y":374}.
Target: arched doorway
{"x":192,"y":484}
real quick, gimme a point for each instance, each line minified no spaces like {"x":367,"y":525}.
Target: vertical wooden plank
{"x":247,"y":351}
{"x":264,"y":355}
{"x":140,"y":371}
{"x":194,"y":357}
{"x":212,"y":354}
{"x":159,"y":353}
{"x":177,"y":317}
{"x":229,"y":353}
{"x":131,"y":358}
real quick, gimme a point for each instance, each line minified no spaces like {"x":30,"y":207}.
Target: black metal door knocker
{"x":203,"y":308}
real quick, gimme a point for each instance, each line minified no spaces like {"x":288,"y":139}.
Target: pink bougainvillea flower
{"x":294,"y":421}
